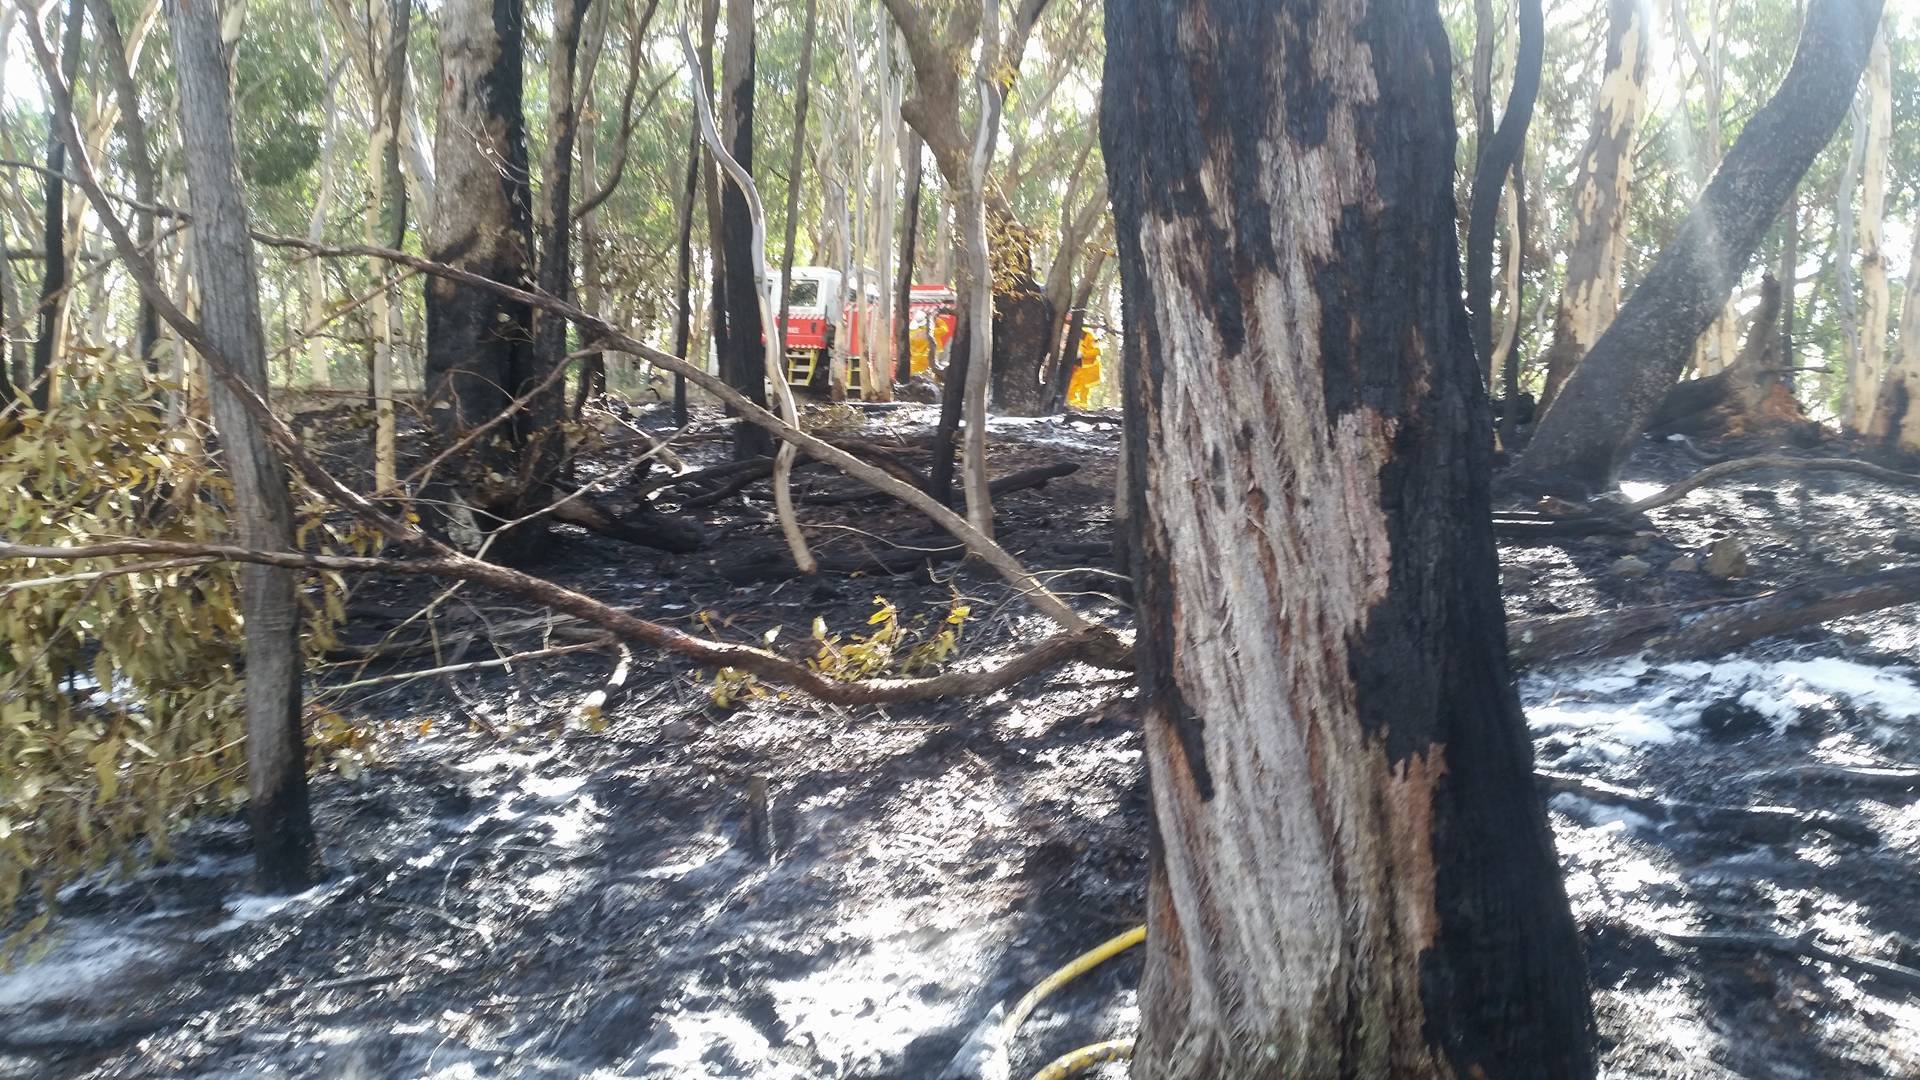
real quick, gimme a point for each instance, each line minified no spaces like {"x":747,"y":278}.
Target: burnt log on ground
{"x":1525,"y":525}
{"x":909,"y":555}
{"x":1721,"y":470}
{"x":1756,"y":824}
{"x":642,"y":525}
{"x":1019,"y":481}
{"x":1708,"y":628}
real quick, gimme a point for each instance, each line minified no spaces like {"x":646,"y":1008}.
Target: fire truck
{"x":827,"y":313}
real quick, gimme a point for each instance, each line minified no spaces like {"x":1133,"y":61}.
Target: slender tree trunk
{"x":1497,"y":157}
{"x":683,"y":280}
{"x":1600,"y":195}
{"x":592,"y":386}
{"x":283,"y":840}
{"x":1863,"y":376}
{"x":386,"y":223}
{"x":146,"y":178}
{"x":479,"y":344}
{"x":1606,"y":403}
{"x":741,"y":361}
{"x":316,"y":275}
{"x":1350,"y":873}
{"x":53,"y":281}
{"x":1898,"y":415}
{"x":555,"y":273}
{"x":1846,"y":304}
{"x":1789,"y":278}
{"x":796,"y":160}
{"x":909,"y":238}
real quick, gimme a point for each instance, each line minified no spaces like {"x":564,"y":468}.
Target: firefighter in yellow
{"x":1086,"y":374}
{"x":922,"y":344}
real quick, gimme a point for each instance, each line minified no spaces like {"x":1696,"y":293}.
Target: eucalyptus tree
{"x":1351,"y":874}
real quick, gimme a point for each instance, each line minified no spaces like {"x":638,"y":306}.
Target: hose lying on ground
{"x":984,"y":1056}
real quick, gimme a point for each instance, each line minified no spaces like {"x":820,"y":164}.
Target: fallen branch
{"x":1853,"y":776}
{"x":1525,"y":525}
{"x":1711,"y":627}
{"x":1093,"y":647}
{"x":473,"y":665}
{"x":1805,"y":944}
{"x":1758,"y":824}
{"x":1675,"y":492}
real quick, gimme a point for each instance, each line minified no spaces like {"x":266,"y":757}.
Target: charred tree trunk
{"x":1497,"y":157}
{"x":479,"y":344}
{"x":1607,"y":401}
{"x":281,"y":821}
{"x":909,"y":239}
{"x":1600,"y":194}
{"x":53,"y":281}
{"x":1022,"y":325}
{"x":742,"y":362}
{"x":1351,"y":874}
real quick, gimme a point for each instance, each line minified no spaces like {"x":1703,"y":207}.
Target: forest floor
{"x":519,"y":890}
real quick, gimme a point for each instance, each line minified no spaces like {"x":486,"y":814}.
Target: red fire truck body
{"x":815,"y":322}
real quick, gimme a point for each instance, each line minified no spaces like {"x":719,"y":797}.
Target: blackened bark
{"x":1608,"y":399}
{"x":53,"y":282}
{"x":1350,"y":872}
{"x":909,"y":240}
{"x":1022,"y":326}
{"x":683,"y":280}
{"x":278,"y":812}
{"x":479,"y":344}
{"x":742,"y":359}
{"x":1497,"y":157}
{"x":952,"y":404}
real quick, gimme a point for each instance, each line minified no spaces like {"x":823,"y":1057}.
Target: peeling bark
{"x":1870,"y":359}
{"x":1606,"y":403}
{"x":1350,"y":873}
{"x":1600,"y":196}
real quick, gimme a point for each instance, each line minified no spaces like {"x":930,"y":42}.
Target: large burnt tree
{"x":742,"y":357}
{"x":1607,"y":401}
{"x":1350,"y":872}
{"x":480,"y":353}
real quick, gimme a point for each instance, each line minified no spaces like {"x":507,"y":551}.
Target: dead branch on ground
{"x":1713,"y":473}
{"x":1756,"y":824}
{"x":1711,"y":627}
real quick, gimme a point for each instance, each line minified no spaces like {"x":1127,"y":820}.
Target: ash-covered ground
{"x":521,"y":889}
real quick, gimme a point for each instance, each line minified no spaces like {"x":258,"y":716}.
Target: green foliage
{"x":890,"y":648}
{"x":120,"y":706}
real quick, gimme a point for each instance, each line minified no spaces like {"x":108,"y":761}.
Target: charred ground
{"x":522,"y":890}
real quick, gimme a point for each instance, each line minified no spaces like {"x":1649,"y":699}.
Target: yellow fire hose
{"x":1086,"y":1057}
